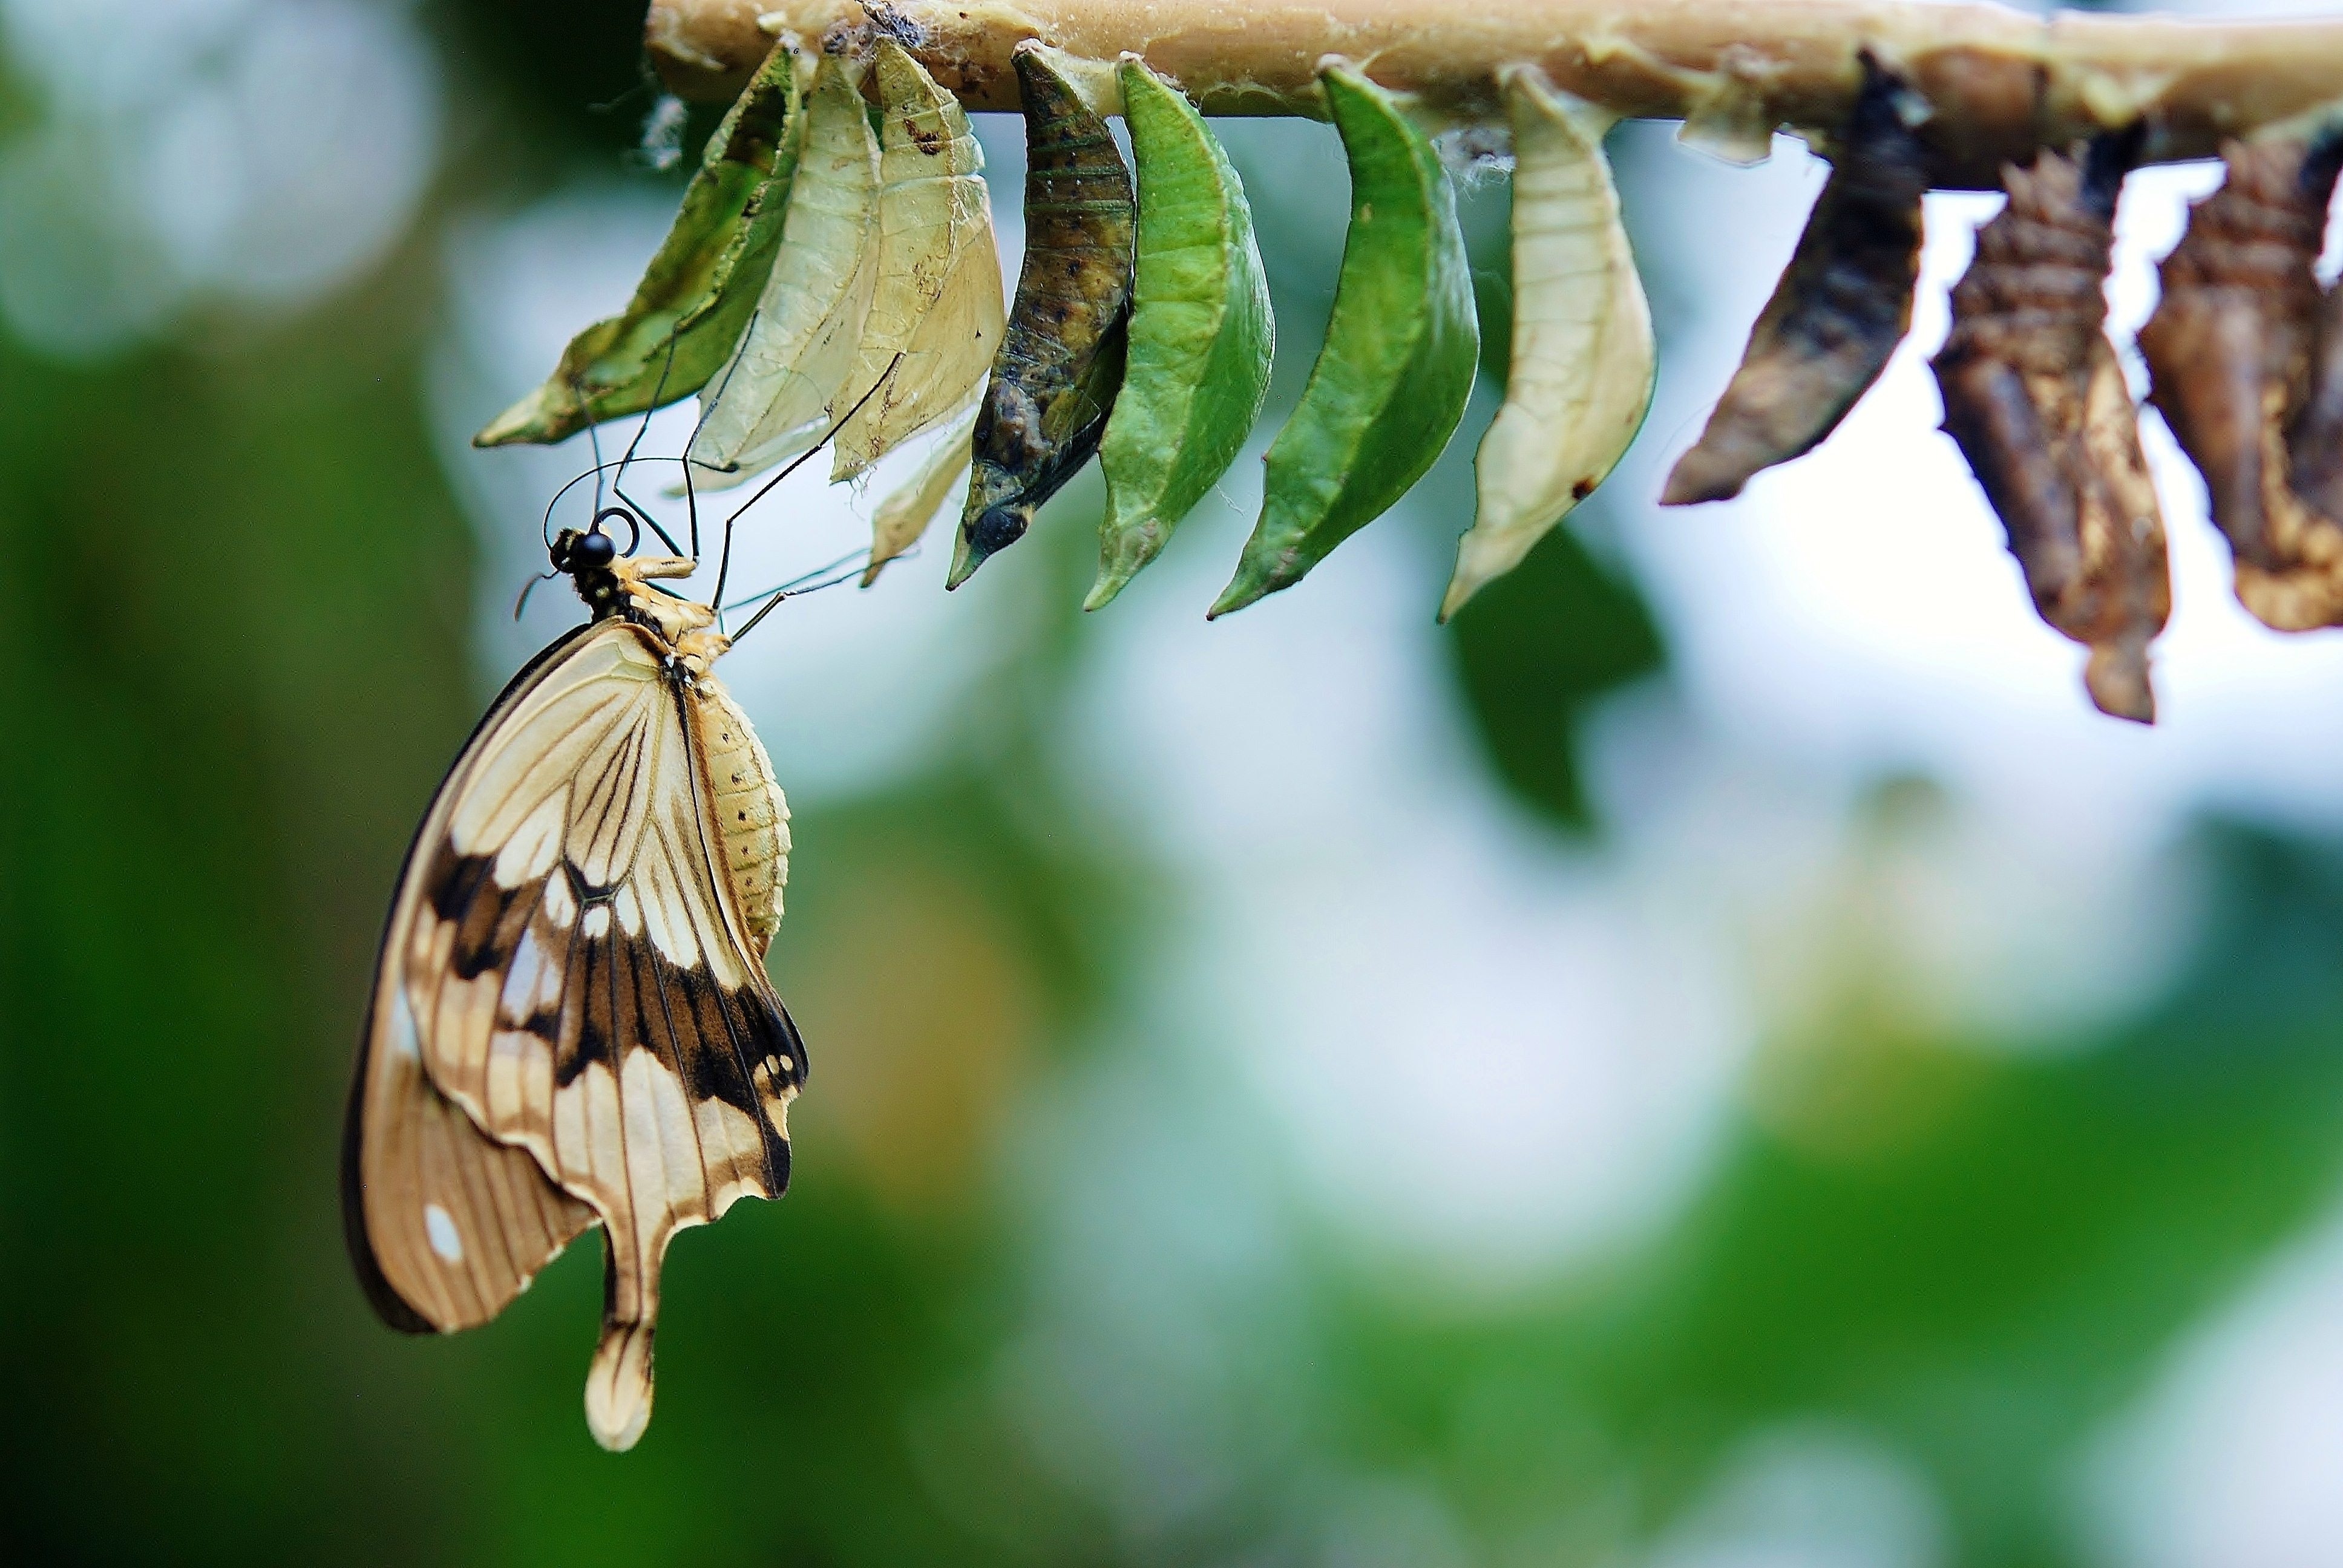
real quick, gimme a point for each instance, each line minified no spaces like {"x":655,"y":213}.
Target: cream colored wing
{"x":579,"y":981}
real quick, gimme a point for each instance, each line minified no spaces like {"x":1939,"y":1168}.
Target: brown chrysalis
{"x":2035,"y":398}
{"x":2229,"y":352}
{"x":1839,"y":310}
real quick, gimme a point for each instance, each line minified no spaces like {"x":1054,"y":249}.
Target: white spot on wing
{"x":523,"y":980}
{"x":402,"y":1038}
{"x":445,"y":1240}
{"x":598,"y":922}
{"x":559,"y":907}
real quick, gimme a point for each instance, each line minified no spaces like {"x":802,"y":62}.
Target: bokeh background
{"x":1719,"y":1059}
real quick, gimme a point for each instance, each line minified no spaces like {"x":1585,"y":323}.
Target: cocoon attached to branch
{"x":2230,"y":354}
{"x":1839,"y":310}
{"x":2036,"y":397}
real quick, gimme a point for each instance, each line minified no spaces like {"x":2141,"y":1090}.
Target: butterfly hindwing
{"x":445,"y":1225}
{"x":583,"y":991}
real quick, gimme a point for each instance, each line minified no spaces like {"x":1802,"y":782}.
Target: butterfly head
{"x":590,"y":557}
{"x":605,"y":575}
{"x":575,"y":552}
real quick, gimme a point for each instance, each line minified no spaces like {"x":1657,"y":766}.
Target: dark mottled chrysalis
{"x":2229,"y":353}
{"x":1062,"y":358}
{"x":2035,"y":398}
{"x":1839,"y":310}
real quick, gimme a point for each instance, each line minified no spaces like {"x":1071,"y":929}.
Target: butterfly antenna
{"x":545,"y":528}
{"x":658,"y":394}
{"x":618,"y":481}
{"x":845,"y":568}
{"x":724,"y":567}
{"x":691,"y":495}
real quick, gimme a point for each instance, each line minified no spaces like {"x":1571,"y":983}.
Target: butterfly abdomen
{"x":749,"y":808}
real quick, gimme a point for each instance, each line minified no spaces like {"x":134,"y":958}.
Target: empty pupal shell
{"x":2036,"y":397}
{"x":700,"y":290}
{"x":908,"y":510}
{"x":778,"y":395}
{"x":2229,"y":353}
{"x":936,"y":310}
{"x":1583,"y":350}
{"x":1839,"y":311}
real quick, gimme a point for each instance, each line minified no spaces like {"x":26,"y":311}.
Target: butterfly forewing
{"x":571,"y":965}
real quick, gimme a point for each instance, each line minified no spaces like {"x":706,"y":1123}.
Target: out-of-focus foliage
{"x":1045,"y":1292}
{"x":568,"y":75}
{"x":1528,"y":687}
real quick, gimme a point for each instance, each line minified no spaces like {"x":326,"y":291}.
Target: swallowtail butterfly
{"x":571,"y":1022}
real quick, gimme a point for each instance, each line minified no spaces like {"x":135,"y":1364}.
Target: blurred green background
{"x":1317,"y":1090}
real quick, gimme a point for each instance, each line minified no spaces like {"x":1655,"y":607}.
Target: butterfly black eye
{"x":595,"y":549}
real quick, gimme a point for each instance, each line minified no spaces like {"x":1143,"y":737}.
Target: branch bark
{"x":2002,"y":82}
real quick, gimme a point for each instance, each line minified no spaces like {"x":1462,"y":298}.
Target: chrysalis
{"x":1062,"y":358}
{"x":1839,"y":310}
{"x":935,"y":307}
{"x":2230,"y":354}
{"x":1203,"y":336}
{"x":779,"y":393}
{"x":1402,"y":348}
{"x":700,"y":289}
{"x":2035,"y":398}
{"x":904,"y":515}
{"x":1582,"y":351}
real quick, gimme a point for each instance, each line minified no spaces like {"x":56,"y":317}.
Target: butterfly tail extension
{"x":618,"y":1383}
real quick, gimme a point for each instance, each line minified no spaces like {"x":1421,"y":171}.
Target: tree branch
{"x":2002,"y":82}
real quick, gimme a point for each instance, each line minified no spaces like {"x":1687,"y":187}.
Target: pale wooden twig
{"x":2001,"y":82}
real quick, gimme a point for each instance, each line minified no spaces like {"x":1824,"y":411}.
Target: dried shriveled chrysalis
{"x":2229,"y":350}
{"x":2036,"y":397}
{"x":1839,"y":310}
